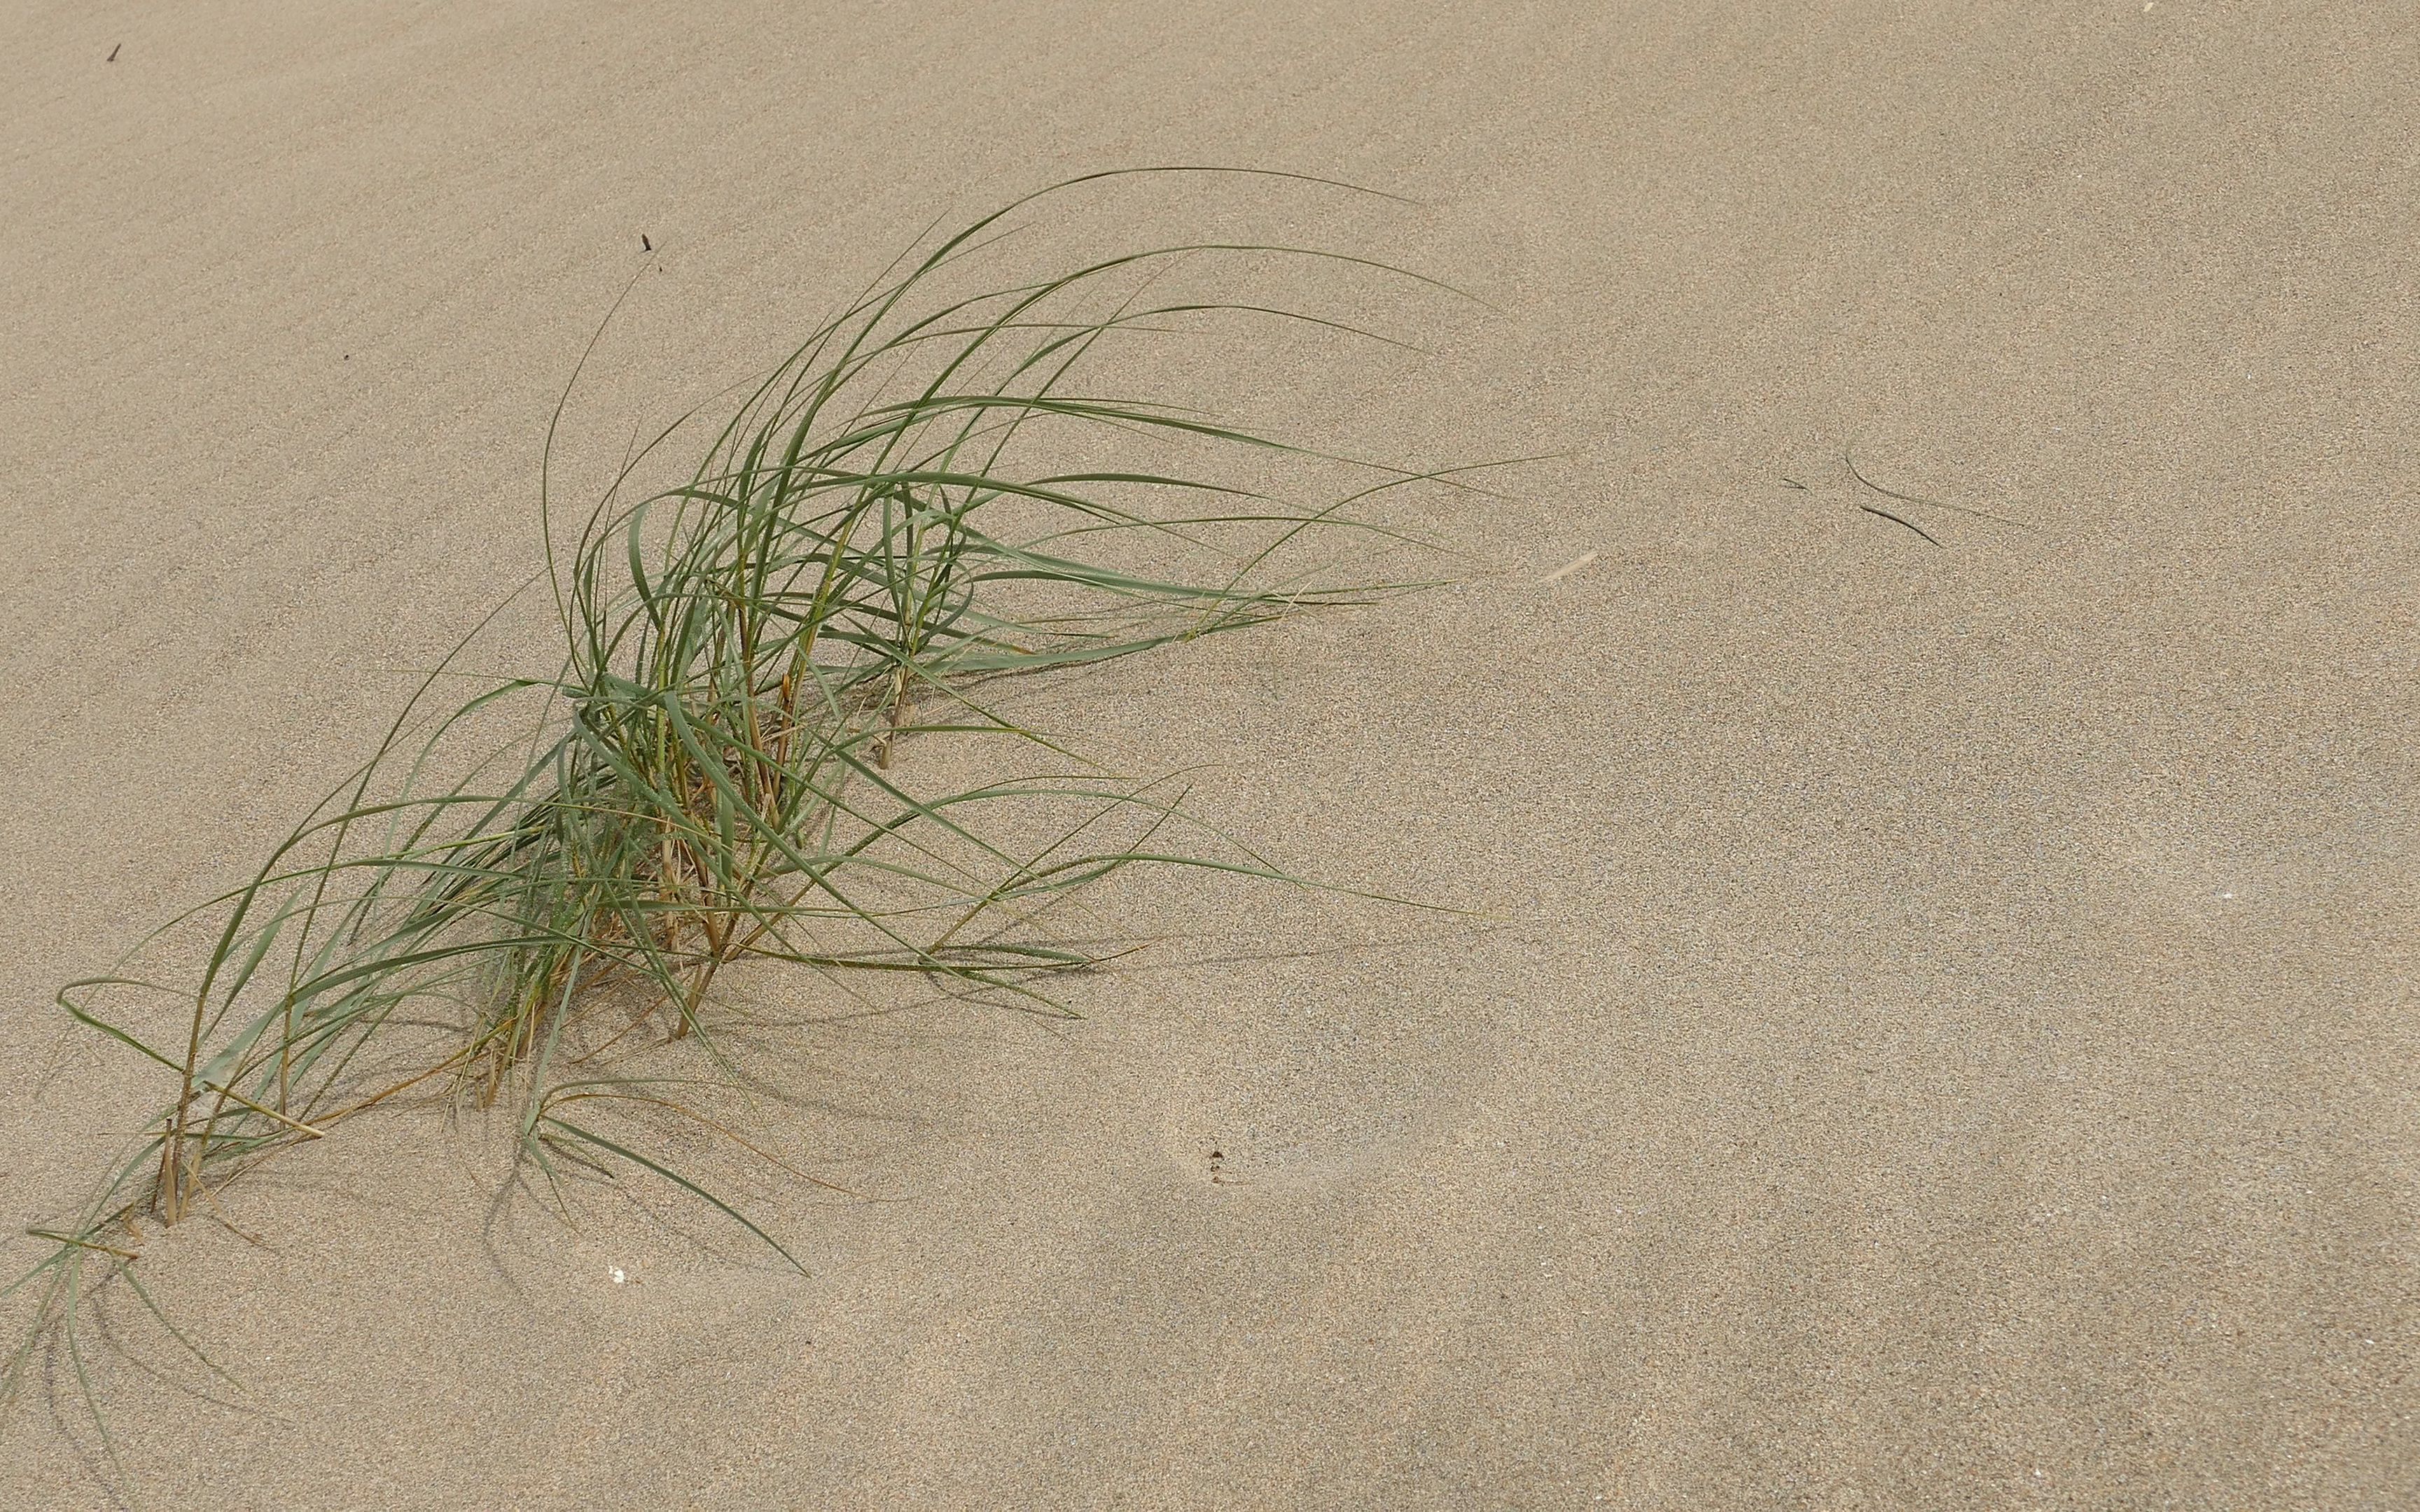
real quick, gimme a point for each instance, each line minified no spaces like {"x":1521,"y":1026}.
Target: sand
{"x":1942,"y":1032}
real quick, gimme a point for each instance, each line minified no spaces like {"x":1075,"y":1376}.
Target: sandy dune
{"x":1943,"y":1034}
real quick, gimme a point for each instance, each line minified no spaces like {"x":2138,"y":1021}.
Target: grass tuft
{"x":886,"y":526}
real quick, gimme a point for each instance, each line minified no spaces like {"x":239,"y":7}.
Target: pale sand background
{"x":1954,"y":1041}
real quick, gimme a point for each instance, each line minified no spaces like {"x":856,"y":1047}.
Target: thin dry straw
{"x":1848,"y":459}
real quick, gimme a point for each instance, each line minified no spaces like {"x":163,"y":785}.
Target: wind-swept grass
{"x":885,"y":527}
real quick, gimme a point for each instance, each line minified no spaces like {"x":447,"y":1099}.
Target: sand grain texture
{"x":1947,"y":1039}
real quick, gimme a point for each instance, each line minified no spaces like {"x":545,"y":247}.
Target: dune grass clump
{"x":513,"y":883}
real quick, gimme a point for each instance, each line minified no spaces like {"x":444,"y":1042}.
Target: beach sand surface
{"x":1935,"y":1027}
